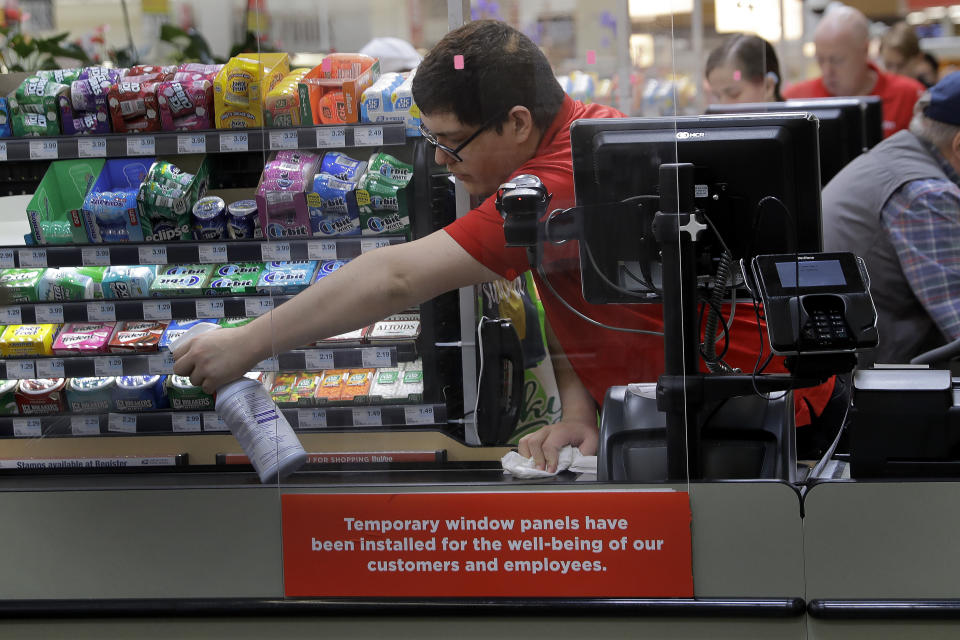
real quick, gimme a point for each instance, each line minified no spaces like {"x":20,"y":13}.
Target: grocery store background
{"x":636,"y":69}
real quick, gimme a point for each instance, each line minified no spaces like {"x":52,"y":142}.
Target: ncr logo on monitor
{"x":686,"y":135}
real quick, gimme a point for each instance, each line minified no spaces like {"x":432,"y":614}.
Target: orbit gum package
{"x":182,"y":280}
{"x":281,"y":198}
{"x":234,"y":278}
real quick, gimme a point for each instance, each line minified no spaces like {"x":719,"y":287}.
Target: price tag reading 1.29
{"x":234,"y":142}
{"x":376,"y":357}
{"x":152,"y":255}
{"x":213,"y":422}
{"x":10,"y":315}
{"x":92,"y":147}
{"x":108,"y":366}
{"x":367,"y":417}
{"x":50,"y":368}
{"x":43,"y":149}
{"x":157,"y":310}
{"x":21,"y":369}
{"x":141,"y":146}
{"x":95,"y":256}
{"x":210,"y":308}
{"x":159,"y":364}
{"x":284,"y":140}
{"x":257,"y":306}
{"x":367,"y":136}
{"x":196,"y":143}
{"x":331,"y":137}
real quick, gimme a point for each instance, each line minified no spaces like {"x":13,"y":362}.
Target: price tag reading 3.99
{"x":212,"y":253}
{"x":92,"y":147}
{"x":152,"y":255}
{"x":192,"y":144}
{"x":141,"y":146}
{"x":95,"y":256}
{"x":234,"y":142}
{"x":43,"y":149}
{"x":33,"y":258}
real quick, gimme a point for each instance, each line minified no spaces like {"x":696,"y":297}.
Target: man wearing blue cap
{"x":898,"y":207}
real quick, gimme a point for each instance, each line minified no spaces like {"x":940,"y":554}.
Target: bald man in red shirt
{"x":842,"y":39}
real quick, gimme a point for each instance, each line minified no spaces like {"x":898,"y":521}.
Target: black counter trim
{"x":932,"y":609}
{"x":257,"y":607}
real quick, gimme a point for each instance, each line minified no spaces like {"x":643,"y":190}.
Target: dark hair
{"x":752,"y":55}
{"x":502,"y":68}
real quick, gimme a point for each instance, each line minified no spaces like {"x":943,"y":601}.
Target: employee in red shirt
{"x":501,"y":115}
{"x":842,"y":39}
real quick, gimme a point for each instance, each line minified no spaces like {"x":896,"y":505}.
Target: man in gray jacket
{"x":898,"y":207}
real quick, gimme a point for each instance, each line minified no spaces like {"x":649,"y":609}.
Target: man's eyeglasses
{"x":455,"y":152}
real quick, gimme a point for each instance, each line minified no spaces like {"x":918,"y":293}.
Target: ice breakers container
{"x":267,"y":438}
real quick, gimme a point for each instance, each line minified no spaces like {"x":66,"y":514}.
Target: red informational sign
{"x":531,"y":544}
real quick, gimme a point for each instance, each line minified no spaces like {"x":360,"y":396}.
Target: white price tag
{"x":159,"y":364}
{"x":85,"y":425}
{"x":108,"y":366}
{"x":367,"y":417}
{"x":10,"y":315}
{"x":122,"y":423}
{"x":92,"y":147}
{"x":50,"y":368}
{"x":212,"y":253}
{"x":369,"y":244}
{"x":48,"y":313}
{"x":418,"y":414}
{"x":6,"y":259}
{"x":152,"y":255}
{"x":209,"y":308}
{"x":284,"y":139}
{"x":3,"y":151}
{"x":322,"y":250}
{"x":157,"y":310}
{"x":43,"y":149}
{"x":95,"y":256}
{"x":331,"y":137}
{"x":275,"y":251}
{"x":33,"y":257}
{"x":367,"y":136}
{"x":196,"y":143}
{"x":269,"y":364}
{"x":213,"y":422}
{"x":189,"y":422}
{"x":101,"y":312}
{"x":141,"y":146}
{"x":234,"y":142}
{"x":21,"y":369}
{"x":254,"y":307}
{"x":318,"y":359}
{"x":27,"y":427}
{"x":311,"y":418}
{"x":371,"y":357}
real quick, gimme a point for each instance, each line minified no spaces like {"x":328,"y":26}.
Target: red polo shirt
{"x":899,"y":94}
{"x":602,"y":358}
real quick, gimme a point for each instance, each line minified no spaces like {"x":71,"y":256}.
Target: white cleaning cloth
{"x":570,"y":458}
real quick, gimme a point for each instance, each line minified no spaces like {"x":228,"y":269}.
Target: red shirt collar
{"x":881,"y":83}
{"x":560,"y":122}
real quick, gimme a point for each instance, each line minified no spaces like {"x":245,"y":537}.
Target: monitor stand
{"x":695,"y":425}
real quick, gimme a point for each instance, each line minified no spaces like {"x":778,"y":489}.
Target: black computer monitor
{"x":757,"y":180}
{"x":848,"y":126}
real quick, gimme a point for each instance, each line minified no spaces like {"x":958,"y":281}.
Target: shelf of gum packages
{"x":28,"y":339}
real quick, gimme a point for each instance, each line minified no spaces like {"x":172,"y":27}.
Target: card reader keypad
{"x":826,"y":328}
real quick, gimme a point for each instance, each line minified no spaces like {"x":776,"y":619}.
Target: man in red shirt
{"x":501,"y":115}
{"x":842,"y":39}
